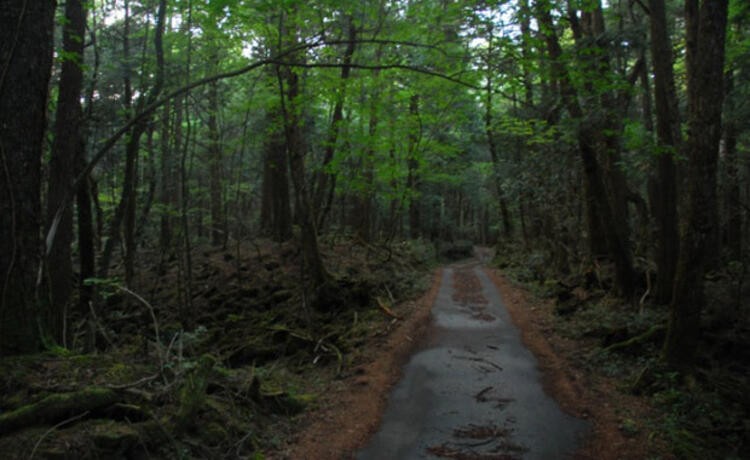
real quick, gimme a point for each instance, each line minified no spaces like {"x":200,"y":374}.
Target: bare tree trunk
{"x":412,"y":180}
{"x":218,"y":230}
{"x":27,"y":43}
{"x":323,"y":191}
{"x":732,"y":232}
{"x":65,"y":150}
{"x":276,"y":212}
{"x":664,"y":190}
{"x":706,"y":22}
{"x":494,"y":155}
{"x":166,"y":184}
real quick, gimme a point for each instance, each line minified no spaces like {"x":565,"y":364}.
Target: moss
{"x":112,"y":436}
{"x":193,"y":391}
{"x":57,"y":407}
{"x":213,"y":433}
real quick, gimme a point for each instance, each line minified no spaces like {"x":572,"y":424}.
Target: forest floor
{"x":246,"y":369}
{"x":220,"y":367}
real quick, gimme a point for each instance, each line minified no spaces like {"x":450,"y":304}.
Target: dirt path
{"x":460,"y":332}
{"x":473,"y":390}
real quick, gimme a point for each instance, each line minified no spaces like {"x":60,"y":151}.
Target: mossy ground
{"x":229,"y":372}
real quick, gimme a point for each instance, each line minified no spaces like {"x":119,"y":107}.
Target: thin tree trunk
{"x":166,"y":184}
{"x":125,"y":212}
{"x":732,"y":232}
{"x":218,"y":230}
{"x":67,"y":143}
{"x":323,"y":192}
{"x":276,"y":212}
{"x":412,"y":180}
{"x":494,"y":155}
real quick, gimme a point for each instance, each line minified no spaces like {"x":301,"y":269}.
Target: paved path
{"x":472,"y":391}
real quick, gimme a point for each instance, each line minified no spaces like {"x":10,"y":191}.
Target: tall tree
{"x":290,"y":90}
{"x":706,"y":22}
{"x":26,"y":44}
{"x":125,"y":212}
{"x":596,"y":134}
{"x":66,"y":149}
{"x":664,"y":188}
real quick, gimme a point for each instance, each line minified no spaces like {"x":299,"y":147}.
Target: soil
{"x":352,"y":409}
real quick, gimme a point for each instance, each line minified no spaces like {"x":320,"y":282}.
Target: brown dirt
{"x":351,"y":409}
{"x":580,"y":393}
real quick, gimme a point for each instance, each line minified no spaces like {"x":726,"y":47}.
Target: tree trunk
{"x":706,"y":22}
{"x":276,"y":212}
{"x":26,"y":57}
{"x":604,"y":183}
{"x":67,"y":143}
{"x":732,"y":232}
{"x":218,"y":230}
{"x":291,"y":109}
{"x":323,"y":191}
{"x":494,"y":155}
{"x":412,"y":180}
{"x":125,"y":212}
{"x":166,"y":184}
{"x":664,"y":190}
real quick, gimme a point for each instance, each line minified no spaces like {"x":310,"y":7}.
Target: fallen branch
{"x":636,"y":340}
{"x":46,"y":433}
{"x":386,"y":309}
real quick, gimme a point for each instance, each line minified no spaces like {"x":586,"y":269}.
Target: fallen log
{"x":57,"y":407}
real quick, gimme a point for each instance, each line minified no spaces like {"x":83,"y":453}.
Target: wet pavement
{"x":472,"y":391}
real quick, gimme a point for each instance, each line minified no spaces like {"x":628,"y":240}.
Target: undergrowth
{"x":703,"y":415}
{"x":225,"y":378}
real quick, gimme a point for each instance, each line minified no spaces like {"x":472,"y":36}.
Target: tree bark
{"x":323,"y":191}
{"x":67,"y":143}
{"x":166,"y":184}
{"x":604,"y":183}
{"x":218,"y":227}
{"x":276,"y":212}
{"x":26,"y":62}
{"x":291,"y":109}
{"x":706,"y":22}
{"x":412,"y":179}
{"x":492,"y":145}
{"x":732,"y":231}
{"x":664,"y":190}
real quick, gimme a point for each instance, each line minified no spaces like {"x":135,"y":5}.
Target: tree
{"x":25,"y":66}
{"x":67,"y":149}
{"x":597,"y":134}
{"x":706,"y":22}
{"x":664,"y":188}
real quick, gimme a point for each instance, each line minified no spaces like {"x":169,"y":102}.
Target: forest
{"x":213,"y":210}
